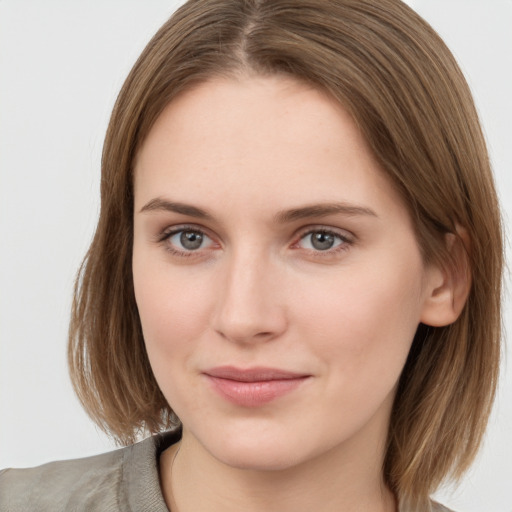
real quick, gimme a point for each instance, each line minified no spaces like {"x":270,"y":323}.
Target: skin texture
{"x":257,"y":292}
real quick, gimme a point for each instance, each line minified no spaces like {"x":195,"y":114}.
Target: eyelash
{"x":166,"y":235}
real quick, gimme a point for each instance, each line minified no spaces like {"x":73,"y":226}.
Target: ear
{"x":448,"y":285}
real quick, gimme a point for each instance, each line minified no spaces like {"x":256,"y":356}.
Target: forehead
{"x":253,"y":111}
{"x":252,"y":139}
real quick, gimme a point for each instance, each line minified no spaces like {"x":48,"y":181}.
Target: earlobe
{"x":448,"y":284}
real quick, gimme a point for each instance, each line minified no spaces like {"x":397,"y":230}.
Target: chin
{"x":259,"y":450}
{"x":257,"y":458}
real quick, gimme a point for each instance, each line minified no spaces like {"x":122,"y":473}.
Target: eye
{"x":186,"y":240}
{"x":323,"y":240}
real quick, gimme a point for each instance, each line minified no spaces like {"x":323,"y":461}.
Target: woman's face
{"x":277,"y":275}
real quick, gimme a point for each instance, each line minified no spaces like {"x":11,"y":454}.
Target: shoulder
{"x":114,"y":481}
{"x":437,"y":507}
{"x":64,"y":485}
{"x":431,"y":506}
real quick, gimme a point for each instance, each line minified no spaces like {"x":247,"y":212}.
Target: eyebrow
{"x":283,"y":217}
{"x":321,"y":210}
{"x":159,"y":204}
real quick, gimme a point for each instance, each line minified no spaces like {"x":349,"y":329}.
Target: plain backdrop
{"x":61,"y":66}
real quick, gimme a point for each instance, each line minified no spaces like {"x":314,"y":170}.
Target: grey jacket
{"x":124,"y":480}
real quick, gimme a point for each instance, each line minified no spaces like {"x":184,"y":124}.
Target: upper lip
{"x":256,"y":374}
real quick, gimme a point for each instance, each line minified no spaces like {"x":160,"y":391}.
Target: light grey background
{"x":61,"y":66}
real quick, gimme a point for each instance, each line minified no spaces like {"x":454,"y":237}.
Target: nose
{"x":250,"y":308}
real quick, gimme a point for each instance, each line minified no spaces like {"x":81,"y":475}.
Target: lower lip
{"x":254,"y":394}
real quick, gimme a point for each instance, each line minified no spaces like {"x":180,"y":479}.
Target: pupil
{"x":191,"y":240}
{"x":322,"y":241}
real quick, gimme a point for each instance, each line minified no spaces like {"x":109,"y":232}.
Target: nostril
{"x":246,"y":335}
{"x":264,"y":334}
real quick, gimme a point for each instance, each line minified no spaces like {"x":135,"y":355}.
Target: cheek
{"x":172,"y":309}
{"x":173,"y":314}
{"x":363,"y":322}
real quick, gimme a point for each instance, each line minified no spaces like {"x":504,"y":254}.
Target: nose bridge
{"x":249,"y":308}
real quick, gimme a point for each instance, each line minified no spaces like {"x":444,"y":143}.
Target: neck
{"x":347,"y":478}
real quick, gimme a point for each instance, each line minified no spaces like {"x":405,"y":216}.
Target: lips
{"x":253,"y":387}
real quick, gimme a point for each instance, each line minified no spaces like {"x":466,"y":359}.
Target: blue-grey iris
{"x":322,"y":241}
{"x":191,"y":240}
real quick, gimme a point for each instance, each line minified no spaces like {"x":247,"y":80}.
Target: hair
{"x":406,"y":93}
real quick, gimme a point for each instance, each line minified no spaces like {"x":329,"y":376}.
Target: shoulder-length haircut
{"x":402,"y":86}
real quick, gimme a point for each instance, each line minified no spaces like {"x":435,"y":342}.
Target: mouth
{"x":253,"y":387}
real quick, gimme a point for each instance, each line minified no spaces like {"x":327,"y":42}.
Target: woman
{"x":297,"y":266}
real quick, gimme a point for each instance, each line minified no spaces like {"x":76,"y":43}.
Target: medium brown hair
{"x":402,"y":86}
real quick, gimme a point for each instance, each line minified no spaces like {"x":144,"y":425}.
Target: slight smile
{"x":253,"y":387}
